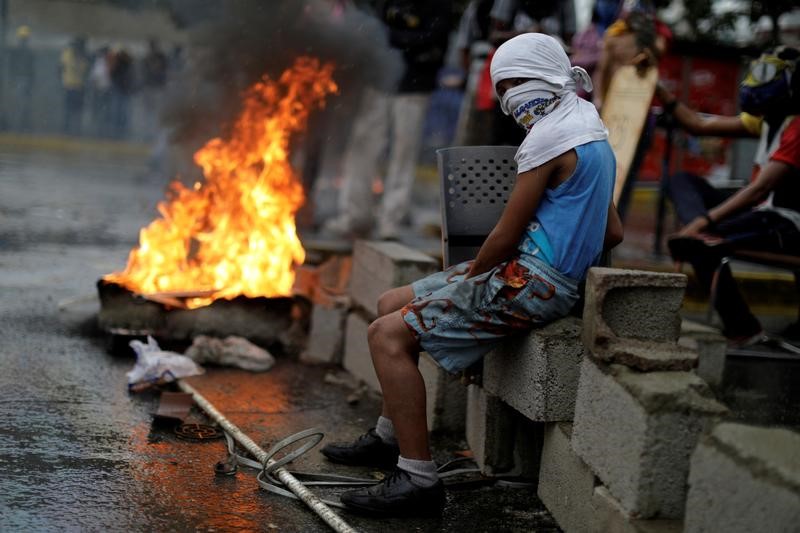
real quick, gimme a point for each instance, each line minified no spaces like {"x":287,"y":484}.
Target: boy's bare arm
{"x":614,"y":232}
{"x":521,"y":206}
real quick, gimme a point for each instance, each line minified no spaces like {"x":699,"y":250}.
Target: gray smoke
{"x":234,"y":42}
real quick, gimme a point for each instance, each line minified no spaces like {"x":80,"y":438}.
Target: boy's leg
{"x":414,"y":488}
{"x":394,"y":299}
{"x":378,"y":447}
{"x":395,"y":353}
{"x":389,"y":302}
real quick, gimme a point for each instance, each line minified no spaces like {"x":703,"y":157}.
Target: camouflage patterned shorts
{"x":458,"y":320}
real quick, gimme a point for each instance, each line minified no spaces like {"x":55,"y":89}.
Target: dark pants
{"x":692,"y":196}
{"x":754,"y":230}
{"x":120,"y":101}
{"x":73,"y":110}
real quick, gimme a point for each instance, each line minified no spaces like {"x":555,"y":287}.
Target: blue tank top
{"x":569,"y":227}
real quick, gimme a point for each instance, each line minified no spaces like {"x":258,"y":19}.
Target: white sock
{"x":422,"y":473}
{"x":385,"y":430}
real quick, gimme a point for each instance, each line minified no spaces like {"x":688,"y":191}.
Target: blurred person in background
{"x":472,"y":42}
{"x":100,"y":91}
{"x":21,"y":70}
{"x":121,"y":73}
{"x":587,"y":44}
{"x":636,"y":38}
{"x":74,"y":68}
{"x":154,"y":80}
{"x":764,"y":215}
{"x":393,"y":120}
{"x":789,"y":28}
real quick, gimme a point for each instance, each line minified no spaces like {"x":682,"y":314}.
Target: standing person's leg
{"x":379,"y":445}
{"x":738,"y":322}
{"x":692,"y":196}
{"x":65,"y":125}
{"x":365,"y":147}
{"x":408,"y":118}
{"x":78,"y":117}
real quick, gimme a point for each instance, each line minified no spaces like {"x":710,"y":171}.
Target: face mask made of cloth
{"x":527,"y":105}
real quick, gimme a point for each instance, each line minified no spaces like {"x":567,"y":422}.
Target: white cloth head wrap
{"x":574,"y":122}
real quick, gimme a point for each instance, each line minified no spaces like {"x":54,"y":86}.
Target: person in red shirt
{"x":764,"y":215}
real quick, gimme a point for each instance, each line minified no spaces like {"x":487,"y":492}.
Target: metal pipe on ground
{"x":291,"y":482}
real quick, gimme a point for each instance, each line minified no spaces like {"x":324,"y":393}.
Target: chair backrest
{"x":476,"y":182}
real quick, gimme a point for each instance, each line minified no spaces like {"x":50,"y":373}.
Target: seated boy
{"x":526,"y":274}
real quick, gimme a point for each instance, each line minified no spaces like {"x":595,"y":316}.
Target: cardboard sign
{"x":624,"y":113}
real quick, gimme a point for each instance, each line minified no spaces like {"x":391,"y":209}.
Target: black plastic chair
{"x":476,"y":182}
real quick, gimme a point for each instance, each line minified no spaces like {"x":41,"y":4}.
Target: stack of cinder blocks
{"x":378,"y":267}
{"x":640,"y":411}
{"x":326,"y":286}
{"x":745,"y":479}
{"x":528,"y":382}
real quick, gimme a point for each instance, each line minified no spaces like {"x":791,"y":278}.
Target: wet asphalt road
{"x":77,"y":452}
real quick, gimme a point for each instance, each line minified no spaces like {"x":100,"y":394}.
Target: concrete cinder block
{"x":631,"y":318}
{"x":745,"y":479}
{"x":326,"y":336}
{"x":636,"y":432}
{"x":608,"y":516}
{"x":503,"y":442}
{"x":489,"y":431}
{"x":537,"y":374}
{"x":711,"y":348}
{"x":357,"y":359}
{"x":566,"y":484}
{"x":446,"y":397}
{"x":380,"y":266}
{"x":528,"y":444}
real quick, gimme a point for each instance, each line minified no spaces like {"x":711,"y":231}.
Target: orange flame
{"x":235,"y":233}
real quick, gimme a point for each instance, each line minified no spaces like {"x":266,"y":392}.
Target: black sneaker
{"x":396,"y":496}
{"x":367,"y":450}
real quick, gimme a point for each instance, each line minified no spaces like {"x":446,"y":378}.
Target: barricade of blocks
{"x":744,"y":479}
{"x":527,"y":381}
{"x":623,"y":464}
{"x":637,"y":430}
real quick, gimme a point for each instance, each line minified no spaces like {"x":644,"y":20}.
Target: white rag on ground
{"x":231,"y":351}
{"x":573,"y":122}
